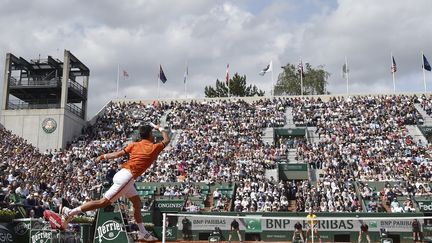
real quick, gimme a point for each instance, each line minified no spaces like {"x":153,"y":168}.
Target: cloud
{"x":141,"y":35}
{"x":367,"y":32}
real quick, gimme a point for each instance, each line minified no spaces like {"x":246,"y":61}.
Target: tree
{"x":314,"y":81}
{"x":238,"y":88}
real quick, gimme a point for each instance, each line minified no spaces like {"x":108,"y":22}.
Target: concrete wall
{"x":255,"y":98}
{"x":72,"y":127}
{"x":28,"y":125}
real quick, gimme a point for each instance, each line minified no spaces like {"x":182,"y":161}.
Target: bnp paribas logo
{"x":109,"y":231}
{"x":253,"y":224}
{"x":373,"y":224}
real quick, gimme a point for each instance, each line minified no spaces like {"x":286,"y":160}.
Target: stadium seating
{"x":362,"y":139}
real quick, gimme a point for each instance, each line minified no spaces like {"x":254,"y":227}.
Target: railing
{"x":75,"y":110}
{"x":35,"y":104}
{"x":78,"y":87}
{"x":55,"y":82}
{"x":14,"y":82}
{"x":43,"y":104}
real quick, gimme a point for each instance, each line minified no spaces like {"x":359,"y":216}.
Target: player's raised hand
{"x":99,"y":158}
{"x":157,"y":127}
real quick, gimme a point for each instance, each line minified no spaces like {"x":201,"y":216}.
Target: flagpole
{"x":393,"y":73}
{"x":424,"y":73}
{"x":118,"y":77}
{"x":301,"y":77}
{"x":158,"y":78}
{"x":273,"y":84}
{"x":228,"y":81}
{"x":185,"y":79}
{"x":347,"y":74}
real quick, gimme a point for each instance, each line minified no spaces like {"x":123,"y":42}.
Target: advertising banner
{"x":257,"y":224}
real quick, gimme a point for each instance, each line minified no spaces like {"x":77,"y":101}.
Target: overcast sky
{"x":247,"y":34}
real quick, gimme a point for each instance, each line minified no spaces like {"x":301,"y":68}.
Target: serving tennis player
{"x":141,"y":155}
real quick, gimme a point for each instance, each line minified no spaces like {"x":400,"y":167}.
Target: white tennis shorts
{"x":123,"y":185}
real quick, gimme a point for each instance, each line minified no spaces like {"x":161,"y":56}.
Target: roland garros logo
{"x":110,"y":230}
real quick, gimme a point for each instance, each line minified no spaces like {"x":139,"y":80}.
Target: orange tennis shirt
{"x":141,"y":156}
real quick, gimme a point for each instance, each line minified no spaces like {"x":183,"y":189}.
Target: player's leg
{"x":121,"y":181}
{"x":136,"y":203}
{"x":229,"y":236}
{"x":132,"y":194}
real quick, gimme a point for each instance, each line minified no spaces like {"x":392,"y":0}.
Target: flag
{"x":267,"y":69}
{"x":186,"y":74}
{"x":125,"y":74}
{"x":426,"y":64}
{"x":300,"y":68}
{"x":393,"y":67}
{"x":162,"y":76}
{"x":227,"y":75}
{"x":345,"y":70}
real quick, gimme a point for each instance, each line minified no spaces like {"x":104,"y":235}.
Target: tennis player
{"x":141,"y":155}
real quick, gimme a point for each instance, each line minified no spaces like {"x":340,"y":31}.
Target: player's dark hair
{"x":145,"y":131}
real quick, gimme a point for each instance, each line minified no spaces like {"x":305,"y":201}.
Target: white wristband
{"x":153,"y":125}
{"x":161,"y":129}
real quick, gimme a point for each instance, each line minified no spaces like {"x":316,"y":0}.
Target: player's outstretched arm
{"x":112,"y":155}
{"x":166,"y":139}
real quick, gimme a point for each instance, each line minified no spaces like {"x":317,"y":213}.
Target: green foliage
{"x":7,"y":215}
{"x":82,"y":220}
{"x":238,"y":88}
{"x":314,"y":81}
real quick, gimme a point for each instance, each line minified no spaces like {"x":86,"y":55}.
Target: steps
{"x":427,"y":120}
{"x":289,"y":117}
{"x":175,"y":137}
{"x":313,"y":137}
{"x":268,"y":136}
{"x":291,"y":156}
{"x":416,"y":134}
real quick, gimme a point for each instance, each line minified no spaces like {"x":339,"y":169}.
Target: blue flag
{"x":162,"y":76}
{"x":426,"y":64}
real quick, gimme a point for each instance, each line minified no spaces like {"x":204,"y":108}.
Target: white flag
{"x":267,"y":69}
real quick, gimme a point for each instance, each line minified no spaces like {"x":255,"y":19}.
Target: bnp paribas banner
{"x":109,"y":228}
{"x":207,"y":223}
{"x":257,"y":224}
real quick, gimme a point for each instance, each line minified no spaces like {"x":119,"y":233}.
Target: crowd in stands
{"x":361,"y":138}
{"x":40,"y":180}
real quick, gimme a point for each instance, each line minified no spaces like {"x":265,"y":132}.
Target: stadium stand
{"x":363,"y":140}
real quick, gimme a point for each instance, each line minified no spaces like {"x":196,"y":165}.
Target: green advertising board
{"x":109,"y":228}
{"x":288,"y":132}
{"x":289,"y":171}
{"x":253,"y":224}
{"x":42,"y":236}
{"x":21,"y":228}
{"x":282,"y":228}
{"x":170,"y":234}
{"x":169,"y":205}
{"x":425,"y":206}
